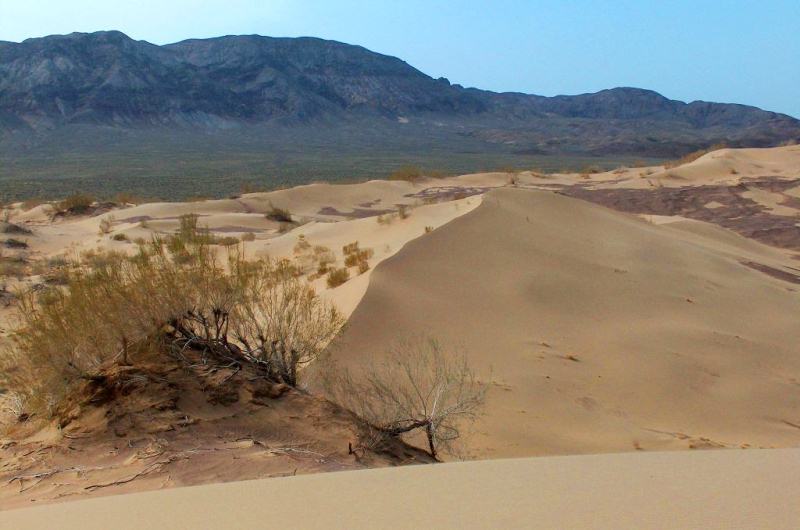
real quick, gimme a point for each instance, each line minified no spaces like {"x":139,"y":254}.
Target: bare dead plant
{"x":419,"y":387}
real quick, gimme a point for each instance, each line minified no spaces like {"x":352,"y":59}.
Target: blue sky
{"x":724,"y":50}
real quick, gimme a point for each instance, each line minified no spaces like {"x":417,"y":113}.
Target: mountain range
{"x":105,"y":92}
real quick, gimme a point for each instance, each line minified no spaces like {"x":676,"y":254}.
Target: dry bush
{"x":356,"y":257}
{"x":227,"y":241}
{"x":119,"y":237}
{"x":350,"y":248}
{"x":403,"y":211}
{"x":106,"y":224}
{"x":691,"y":157}
{"x":337,"y":277}
{"x":418,"y":387}
{"x":363,"y":266}
{"x":324,"y":258}
{"x":428,"y":229}
{"x":279,"y":215}
{"x":123,"y":198}
{"x":249,"y":236}
{"x":385,"y":219}
{"x":407,"y":173}
{"x":120,"y":309}
{"x":77,"y":204}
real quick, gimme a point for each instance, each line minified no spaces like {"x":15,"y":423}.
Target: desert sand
{"x":700,"y":490}
{"x":636,"y":310}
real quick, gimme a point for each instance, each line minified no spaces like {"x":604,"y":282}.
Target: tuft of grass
{"x":249,"y":236}
{"x":119,"y":237}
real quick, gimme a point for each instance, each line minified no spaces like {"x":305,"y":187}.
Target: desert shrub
{"x":106,"y":224}
{"x":357,"y":257}
{"x":15,"y":243}
{"x":385,"y":219}
{"x":227,"y":241}
{"x":403,"y":212}
{"x":116,"y":309}
{"x":324,"y":258}
{"x":302,"y":244}
{"x":350,"y":248}
{"x":249,"y":236}
{"x":279,"y":215}
{"x":119,"y":237}
{"x":77,"y":204}
{"x":337,"y":277}
{"x":419,"y":387}
{"x":428,"y":229}
{"x":122,"y":198}
{"x":407,"y":173}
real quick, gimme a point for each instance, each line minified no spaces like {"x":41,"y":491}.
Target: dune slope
{"x":709,"y":490}
{"x":598,"y":331}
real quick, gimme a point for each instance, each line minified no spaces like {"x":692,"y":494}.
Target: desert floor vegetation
{"x":418,"y":388}
{"x":172,"y":297}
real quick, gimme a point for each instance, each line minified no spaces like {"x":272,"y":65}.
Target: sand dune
{"x":597,"y":331}
{"x":603,"y":332}
{"x":703,"y":491}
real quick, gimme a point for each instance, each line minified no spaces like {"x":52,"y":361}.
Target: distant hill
{"x":104,"y":94}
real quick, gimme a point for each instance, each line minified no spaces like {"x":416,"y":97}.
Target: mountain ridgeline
{"x":83,"y":94}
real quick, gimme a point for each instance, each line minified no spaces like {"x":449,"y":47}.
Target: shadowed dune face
{"x":596,"y":330}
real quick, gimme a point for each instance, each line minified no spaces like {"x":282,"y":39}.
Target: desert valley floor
{"x":639,"y":310}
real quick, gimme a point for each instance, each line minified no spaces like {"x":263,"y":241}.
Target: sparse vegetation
{"x":106,"y":224}
{"x":279,"y":215}
{"x":337,"y":277}
{"x":419,"y":387}
{"x":248,"y":236}
{"x":403,"y":211}
{"x":116,"y":309}
{"x":77,"y":204}
{"x":357,"y":257}
{"x":119,"y":237}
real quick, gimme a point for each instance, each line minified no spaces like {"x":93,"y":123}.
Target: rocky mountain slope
{"x":104,"y":99}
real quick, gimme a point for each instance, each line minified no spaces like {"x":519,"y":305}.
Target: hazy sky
{"x":732,"y":51}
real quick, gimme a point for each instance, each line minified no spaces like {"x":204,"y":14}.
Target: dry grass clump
{"x":691,"y":157}
{"x":337,"y":277}
{"x":106,"y":224}
{"x":116,"y":309}
{"x":357,"y":257}
{"x":77,"y":204}
{"x":119,"y":237}
{"x":279,"y":215}
{"x":419,"y":387}
{"x":408,"y":173}
{"x":249,"y":236}
{"x":403,"y":211}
